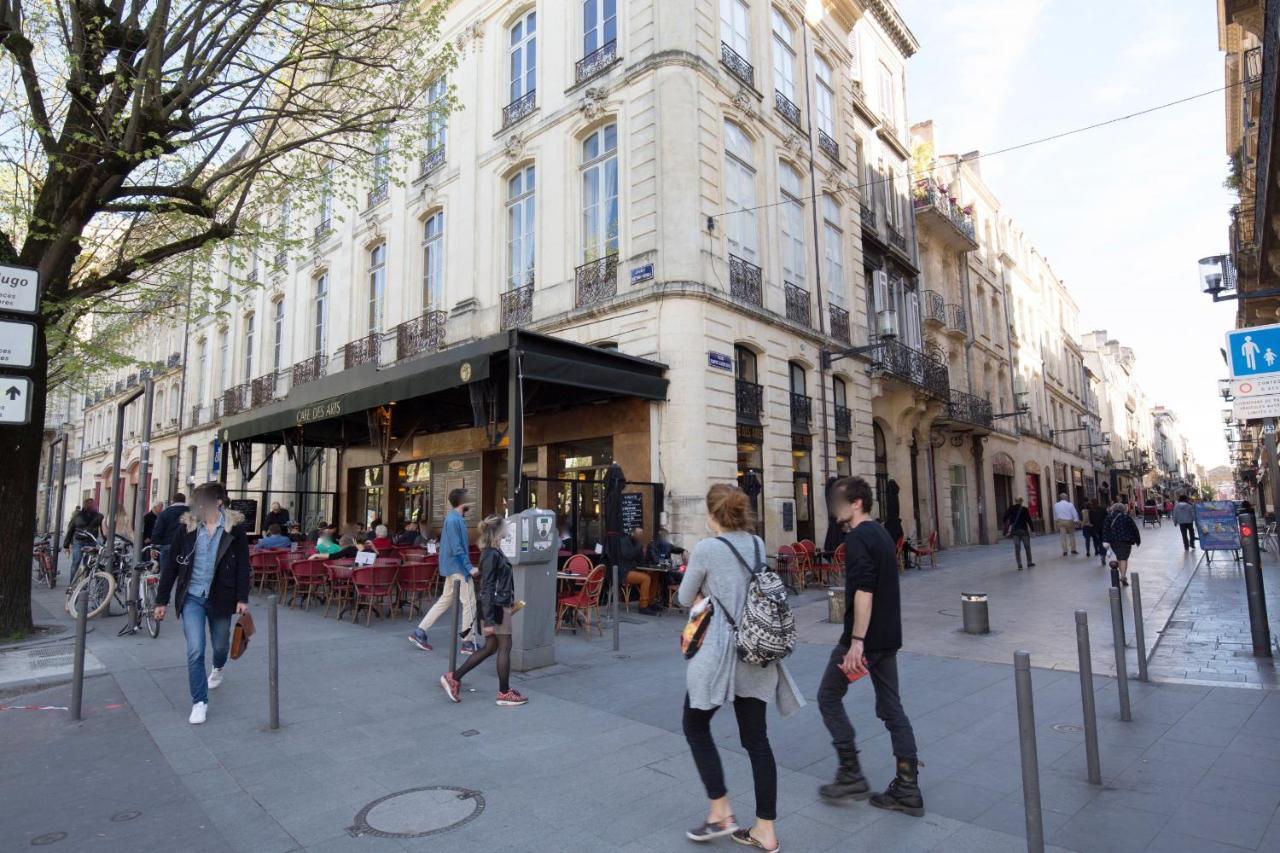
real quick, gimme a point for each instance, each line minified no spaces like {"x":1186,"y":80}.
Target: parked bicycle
{"x":148,"y":572}
{"x":44,"y":565}
{"x":101,"y":576}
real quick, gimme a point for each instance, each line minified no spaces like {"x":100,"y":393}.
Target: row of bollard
{"x":1026,"y":707}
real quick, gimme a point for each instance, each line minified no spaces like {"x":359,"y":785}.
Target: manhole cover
{"x":121,"y":817}
{"x":47,"y":839}
{"x":1066,"y":728}
{"x":418,"y":812}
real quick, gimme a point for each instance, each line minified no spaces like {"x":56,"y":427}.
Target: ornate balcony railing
{"x":801,"y":412}
{"x":131,"y":380}
{"x":929,"y":194}
{"x":969,"y":409}
{"x":198,"y":415}
{"x":281,"y":260}
{"x":519,"y":108}
{"x":517,"y":307}
{"x":787,"y":109}
{"x":144,"y":374}
{"x":844,"y":422}
{"x":929,"y":373}
{"x":829,"y":146}
{"x":309,"y":369}
{"x":174,"y":359}
{"x":957,"y":320}
{"x":737,"y":66}
{"x":595,"y":62}
{"x":798,"y":305}
{"x":868,"y":214}
{"x":896,"y":238}
{"x":253,"y":276}
{"x":750,"y":401}
{"x":263,"y":389}
{"x":431,"y":161}
{"x":596,"y":281}
{"x":235,"y":399}
{"x":1253,"y":66}
{"x":378,"y":193}
{"x":934,"y":308}
{"x":839,"y":323}
{"x":745,"y":282}
{"x":323,"y":229}
{"x":421,"y":334}
{"x":362,"y":351}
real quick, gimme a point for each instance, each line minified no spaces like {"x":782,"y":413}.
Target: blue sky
{"x":1123,"y":212}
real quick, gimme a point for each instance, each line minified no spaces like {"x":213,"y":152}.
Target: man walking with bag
{"x":1017,"y":526}
{"x":456,"y":571}
{"x":869,"y":646}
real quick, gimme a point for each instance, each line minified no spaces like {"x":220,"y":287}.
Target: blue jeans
{"x":194,"y":616}
{"x":75,"y":558}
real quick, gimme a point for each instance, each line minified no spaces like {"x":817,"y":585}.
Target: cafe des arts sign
{"x":323,"y":410}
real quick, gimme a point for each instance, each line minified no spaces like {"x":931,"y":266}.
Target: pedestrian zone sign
{"x":1254,"y":351}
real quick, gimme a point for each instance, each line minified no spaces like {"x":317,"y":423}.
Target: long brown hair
{"x":491,"y":531}
{"x":730,"y":507}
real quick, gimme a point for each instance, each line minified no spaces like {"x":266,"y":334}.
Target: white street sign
{"x":1254,"y":408}
{"x":1255,"y":387}
{"x":17,"y":343}
{"x":15,"y":400}
{"x":19,"y":290}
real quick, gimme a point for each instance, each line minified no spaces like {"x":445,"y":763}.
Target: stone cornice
{"x":896,"y":28}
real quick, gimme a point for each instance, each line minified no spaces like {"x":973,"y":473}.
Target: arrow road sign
{"x":19,"y":290}
{"x":15,"y":400}
{"x":17,"y":343}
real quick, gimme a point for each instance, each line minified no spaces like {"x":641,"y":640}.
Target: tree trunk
{"x":19,"y":481}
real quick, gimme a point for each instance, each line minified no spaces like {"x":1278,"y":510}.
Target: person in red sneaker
{"x":497,"y":598}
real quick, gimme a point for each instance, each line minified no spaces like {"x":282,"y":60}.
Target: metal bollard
{"x":457,"y":619}
{"x":77,"y":677}
{"x":1122,"y":665}
{"x":973,"y":610}
{"x":1139,"y":629}
{"x":614,"y":606}
{"x":1027,"y":746}
{"x":1259,"y":629}
{"x":1089,"y":712}
{"x":273,"y":662}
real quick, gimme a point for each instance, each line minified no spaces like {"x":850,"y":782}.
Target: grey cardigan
{"x":714,"y":676}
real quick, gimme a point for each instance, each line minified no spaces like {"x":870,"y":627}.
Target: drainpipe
{"x":817,"y":261}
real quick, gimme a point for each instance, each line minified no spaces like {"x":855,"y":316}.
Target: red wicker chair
{"x":583,"y":601}
{"x":339,"y":584}
{"x":308,"y":577}
{"x":417,"y":580}
{"x":373,"y":584}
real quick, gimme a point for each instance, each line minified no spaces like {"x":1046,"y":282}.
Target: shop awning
{"x":555,"y":373}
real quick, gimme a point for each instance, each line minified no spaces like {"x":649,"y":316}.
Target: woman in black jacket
{"x":208,"y":561}
{"x":497,"y":603}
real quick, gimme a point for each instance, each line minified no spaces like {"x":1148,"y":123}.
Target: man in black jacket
{"x":167,"y":523}
{"x":869,"y":646}
{"x":208,"y":560}
{"x":1017,"y":525}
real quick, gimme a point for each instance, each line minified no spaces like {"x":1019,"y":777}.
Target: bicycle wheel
{"x":50,"y":570}
{"x":38,"y":574}
{"x":100,"y":586}
{"x":149,"y":604}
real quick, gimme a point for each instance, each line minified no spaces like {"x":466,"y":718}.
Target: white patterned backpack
{"x":766,"y":631}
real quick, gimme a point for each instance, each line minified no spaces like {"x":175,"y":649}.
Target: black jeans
{"x":1188,"y":535}
{"x":883,"y":670}
{"x":755,"y":740}
{"x":1021,"y":539}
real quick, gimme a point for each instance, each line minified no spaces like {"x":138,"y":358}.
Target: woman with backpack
{"x":1121,"y":533}
{"x":729,"y":571}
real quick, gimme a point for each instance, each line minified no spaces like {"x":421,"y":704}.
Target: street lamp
{"x":1228,"y":416}
{"x":1224,"y":388}
{"x":1216,"y":275}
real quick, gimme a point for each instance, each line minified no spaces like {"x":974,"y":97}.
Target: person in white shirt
{"x":1066,"y":517}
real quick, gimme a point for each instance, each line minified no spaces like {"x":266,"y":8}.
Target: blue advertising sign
{"x":720,"y":361}
{"x":1217,"y":525}
{"x":1254,"y":351}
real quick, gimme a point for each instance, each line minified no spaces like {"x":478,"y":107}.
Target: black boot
{"x":850,"y":784}
{"x":903,"y":793}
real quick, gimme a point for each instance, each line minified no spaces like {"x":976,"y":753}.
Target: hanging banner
{"x":1217,"y":525}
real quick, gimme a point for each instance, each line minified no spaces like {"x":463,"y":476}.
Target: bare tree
{"x":136,"y":132}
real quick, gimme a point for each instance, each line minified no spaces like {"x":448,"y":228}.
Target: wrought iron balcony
{"x":519,"y":108}
{"x":801,"y":412}
{"x":868,"y":214}
{"x":957,"y":320}
{"x":235,"y":399}
{"x":798,"y":305}
{"x":517,"y":307}
{"x":431,"y":161}
{"x":966,"y":408}
{"x":131,"y":380}
{"x":829,"y":146}
{"x":896,"y":238}
{"x":787,"y":109}
{"x":931,"y":198}
{"x":421,"y":334}
{"x":362,"y":351}
{"x":737,"y":66}
{"x":281,"y":260}
{"x":198,"y":415}
{"x":144,"y":374}
{"x":323,"y":229}
{"x":750,"y":401}
{"x":309,"y":369}
{"x":175,"y":359}
{"x":378,"y":193}
{"x":844,"y":422}
{"x":745,"y":282}
{"x":934,"y":308}
{"x":263,"y":389}
{"x":253,"y":276}
{"x":907,"y":364}
{"x":596,"y":281}
{"x":595,"y":62}
{"x":839,"y":323}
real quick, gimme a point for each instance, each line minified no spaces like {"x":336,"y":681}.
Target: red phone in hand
{"x":854,"y":676}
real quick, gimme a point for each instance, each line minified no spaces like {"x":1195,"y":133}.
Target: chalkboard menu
{"x":632,"y":511}
{"x":788,"y":515}
{"x":247,"y":507}
{"x":449,"y":473}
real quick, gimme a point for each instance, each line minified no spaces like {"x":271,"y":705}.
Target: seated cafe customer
{"x":382,"y":539}
{"x":274,"y":540}
{"x":631,"y":554}
{"x":410,"y":535}
{"x":325,"y":546}
{"x":660,"y":549}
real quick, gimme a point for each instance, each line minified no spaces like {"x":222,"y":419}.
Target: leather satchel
{"x":240,"y":635}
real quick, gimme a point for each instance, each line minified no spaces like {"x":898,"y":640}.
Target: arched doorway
{"x":882,"y":467}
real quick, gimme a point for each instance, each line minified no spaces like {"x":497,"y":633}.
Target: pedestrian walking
{"x":168,"y":523}
{"x":87,"y":521}
{"x":149,"y":521}
{"x":456,"y":571}
{"x":497,"y":606}
{"x":1121,"y":533}
{"x":1184,"y":515}
{"x":208,"y":563}
{"x":715,"y":676}
{"x":1097,"y":518}
{"x":1017,"y":526}
{"x":1065,"y":518}
{"x":868,"y":646}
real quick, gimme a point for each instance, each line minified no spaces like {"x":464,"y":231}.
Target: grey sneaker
{"x":711,"y":831}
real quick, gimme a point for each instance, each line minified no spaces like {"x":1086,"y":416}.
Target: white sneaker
{"x":215,"y":678}
{"x":199,"y":711}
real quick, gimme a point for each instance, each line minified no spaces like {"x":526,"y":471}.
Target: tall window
{"x":520,"y":216}
{"x":320,"y":314}
{"x":784,"y":57}
{"x":438,"y":122}
{"x":523,"y":55}
{"x":224,"y":359}
{"x":202,"y":368}
{"x":839,"y":393}
{"x":791,"y":220}
{"x":891,"y":197}
{"x":173,"y":403}
{"x":326,"y":200}
{"x":744,"y":364}
{"x":833,"y":248}
{"x":888,"y":103}
{"x":377,"y":285}
{"x":735,"y":18}
{"x":433,"y":261}
{"x":248,"y":346}
{"x":380,"y":171}
{"x":826,"y":97}
{"x":277,"y":334}
{"x":600,"y":194}
{"x":740,"y":193}
{"x":797,"y":378}
{"x":286,"y":213}
{"x":599,"y":24}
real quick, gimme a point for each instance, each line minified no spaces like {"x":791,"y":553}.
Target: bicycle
{"x":143,"y":608}
{"x":100,"y":577}
{"x":44,"y":568}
